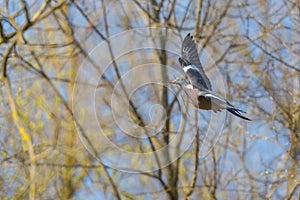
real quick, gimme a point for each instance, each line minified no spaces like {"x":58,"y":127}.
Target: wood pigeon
{"x":198,"y":86}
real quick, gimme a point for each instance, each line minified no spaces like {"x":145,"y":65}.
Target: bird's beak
{"x":173,"y":82}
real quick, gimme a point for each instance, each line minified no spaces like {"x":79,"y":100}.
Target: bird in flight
{"x":198,"y":86}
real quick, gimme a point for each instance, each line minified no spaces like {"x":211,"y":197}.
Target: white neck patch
{"x":186,"y":68}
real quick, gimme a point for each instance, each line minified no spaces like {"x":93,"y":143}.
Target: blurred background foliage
{"x":254,"y":44}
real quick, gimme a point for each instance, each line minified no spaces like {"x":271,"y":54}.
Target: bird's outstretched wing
{"x":189,"y":55}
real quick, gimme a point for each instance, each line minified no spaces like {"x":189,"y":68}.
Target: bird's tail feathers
{"x":234,"y":108}
{"x":237,"y":113}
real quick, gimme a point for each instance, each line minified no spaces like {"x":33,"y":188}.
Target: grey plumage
{"x":189,"y":57}
{"x":198,"y":88}
{"x":208,"y":100}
